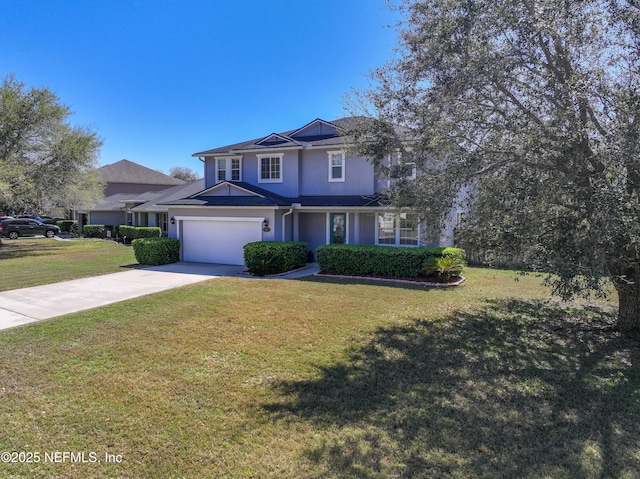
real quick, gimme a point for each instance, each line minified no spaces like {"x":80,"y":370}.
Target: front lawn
{"x":325,"y":378}
{"x":32,"y":262}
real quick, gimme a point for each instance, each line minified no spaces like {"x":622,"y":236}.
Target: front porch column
{"x":356,"y":227}
{"x":295,"y":228}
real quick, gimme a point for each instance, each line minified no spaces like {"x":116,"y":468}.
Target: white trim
{"x":216,"y":218}
{"x":414,"y":169}
{"x":228,"y":161}
{"x":313,"y":122}
{"x":240,"y":152}
{"x":219,"y":218}
{"x":396,"y":231}
{"x":280,"y":156}
{"x":219,"y":185}
{"x":277,"y":135}
{"x":346,"y":225}
{"x":342,"y":167}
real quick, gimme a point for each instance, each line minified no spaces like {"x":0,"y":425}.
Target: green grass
{"x":326,"y":378}
{"x":33,"y":262}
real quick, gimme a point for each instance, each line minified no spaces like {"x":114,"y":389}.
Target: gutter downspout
{"x":284,"y":223}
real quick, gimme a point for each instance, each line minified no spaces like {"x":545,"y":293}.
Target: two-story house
{"x":300,"y":185}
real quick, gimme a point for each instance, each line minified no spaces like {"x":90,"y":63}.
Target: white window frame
{"x":396,"y":230}
{"x":414,"y":171}
{"x":280,"y":157}
{"x":228,"y":162}
{"x":331,"y":154}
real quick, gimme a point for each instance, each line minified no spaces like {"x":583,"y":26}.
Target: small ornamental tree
{"x":532,"y":108}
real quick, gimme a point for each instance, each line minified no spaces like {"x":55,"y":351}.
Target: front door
{"x":338,"y":225}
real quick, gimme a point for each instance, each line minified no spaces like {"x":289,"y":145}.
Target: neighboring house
{"x":146,"y":210}
{"x":300,"y":185}
{"x":125,"y":182}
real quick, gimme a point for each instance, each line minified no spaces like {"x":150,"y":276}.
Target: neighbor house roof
{"x":151,"y":201}
{"x":125,"y":171}
{"x":112,"y":202}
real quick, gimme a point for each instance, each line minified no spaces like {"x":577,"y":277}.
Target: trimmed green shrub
{"x":68,"y":226}
{"x":136,"y":232}
{"x":357,"y":260}
{"x":156,"y":251}
{"x":273,"y":257}
{"x":93,"y":231}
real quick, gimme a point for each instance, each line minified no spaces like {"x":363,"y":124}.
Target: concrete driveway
{"x":22,"y":306}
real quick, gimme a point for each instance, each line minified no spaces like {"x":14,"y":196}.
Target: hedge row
{"x":94,"y":231}
{"x":68,"y":226}
{"x":273,"y":257}
{"x":354,"y":260}
{"x":156,"y":251}
{"x":136,"y":232}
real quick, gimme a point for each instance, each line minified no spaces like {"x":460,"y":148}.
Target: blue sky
{"x":160,"y":80}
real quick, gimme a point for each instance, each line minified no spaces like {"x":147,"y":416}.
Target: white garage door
{"x":218,"y":240}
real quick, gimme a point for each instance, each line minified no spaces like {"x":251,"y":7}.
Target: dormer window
{"x":336,"y":166}
{"x":270,"y":168}
{"x":228,"y":168}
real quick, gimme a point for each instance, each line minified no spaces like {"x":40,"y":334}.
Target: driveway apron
{"x":22,"y":306}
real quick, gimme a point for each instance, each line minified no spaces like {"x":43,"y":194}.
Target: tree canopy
{"x":44,"y":161}
{"x":533,"y":108}
{"x":183,"y":173}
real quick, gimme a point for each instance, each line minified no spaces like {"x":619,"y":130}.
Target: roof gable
{"x":227,"y":188}
{"x":318,"y":133}
{"x":274,"y":139}
{"x":125,"y":171}
{"x":317,"y":129}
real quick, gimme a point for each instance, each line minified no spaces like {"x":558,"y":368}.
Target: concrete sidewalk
{"x":22,"y":306}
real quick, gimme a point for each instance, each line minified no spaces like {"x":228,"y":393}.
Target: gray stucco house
{"x":299,"y":185}
{"x":128,"y":185}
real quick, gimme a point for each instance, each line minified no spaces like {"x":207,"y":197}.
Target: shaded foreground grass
{"x":326,"y":378}
{"x":33,"y":262}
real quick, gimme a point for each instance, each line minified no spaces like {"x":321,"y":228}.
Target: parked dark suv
{"x":26,"y":227}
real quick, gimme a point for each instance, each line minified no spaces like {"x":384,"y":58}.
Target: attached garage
{"x":217,"y":239}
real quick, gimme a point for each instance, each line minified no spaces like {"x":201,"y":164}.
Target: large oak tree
{"x":44,"y":161}
{"x":533,"y":106}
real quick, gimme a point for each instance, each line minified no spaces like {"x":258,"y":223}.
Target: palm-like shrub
{"x":444,"y":267}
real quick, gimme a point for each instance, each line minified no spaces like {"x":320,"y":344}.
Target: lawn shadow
{"x":515,"y":390}
{"x":28,"y":247}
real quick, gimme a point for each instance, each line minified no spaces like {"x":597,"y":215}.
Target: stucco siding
{"x":314,"y":177}
{"x":313,"y":229}
{"x":114,"y":188}
{"x":107,"y":218}
{"x":367,"y":228}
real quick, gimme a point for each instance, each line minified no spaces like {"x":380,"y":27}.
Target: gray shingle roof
{"x":113,"y":202}
{"x":125,"y":171}
{"x":297,"y":138}
{"x":168,"y":195}
{"x":267,"y":198}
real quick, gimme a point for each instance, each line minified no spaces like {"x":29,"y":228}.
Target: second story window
{"x":270,"y":168}
{"x":221,"y":167}
{"x":336,"y":166}
{"x":228,"y":169}
{"x":235,"y":169}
